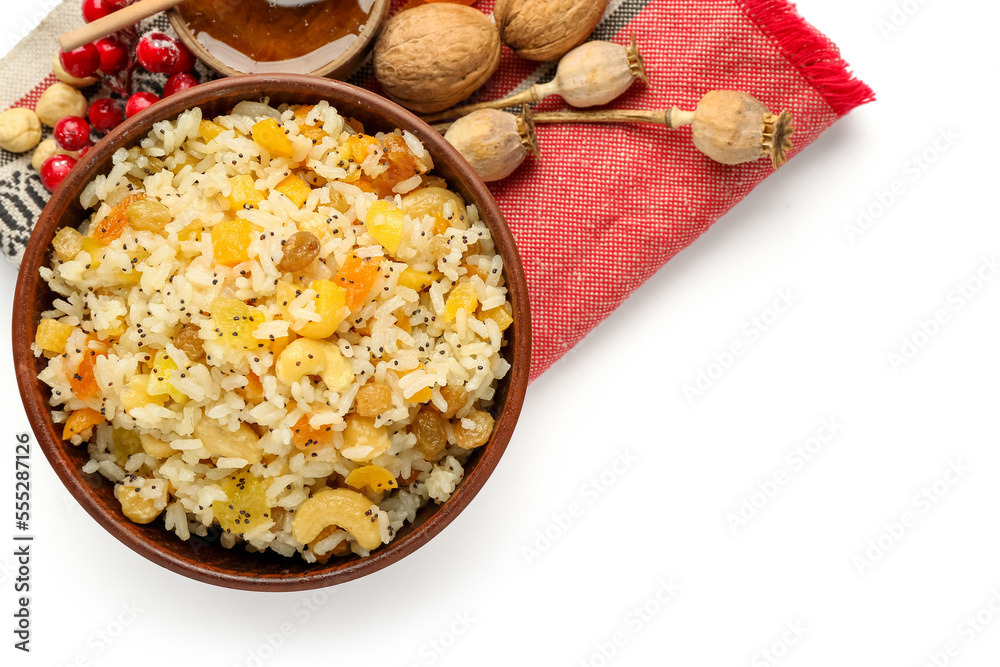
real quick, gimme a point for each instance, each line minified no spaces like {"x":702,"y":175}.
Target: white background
{"x":869,"y":553}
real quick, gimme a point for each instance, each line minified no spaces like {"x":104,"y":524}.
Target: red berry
{"x":138,"y":102}
{"x":105,"y":114}
{"x":81,"y":62}
{"x":114,"y":56}
{"x":179,"y":82}
{"x":162,"y":54}
{"x":72,"y":133}
{"x":54,"y":170}
{"x":98,"y":9}
{"x":83,"y":151}
{"x":187,"y":60}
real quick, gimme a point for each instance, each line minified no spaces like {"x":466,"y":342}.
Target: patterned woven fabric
{"x":607,"y":205}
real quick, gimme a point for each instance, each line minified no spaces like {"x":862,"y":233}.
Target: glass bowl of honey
{"x":320,"y":37}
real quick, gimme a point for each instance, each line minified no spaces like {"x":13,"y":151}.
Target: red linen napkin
{"x":607,"y":205}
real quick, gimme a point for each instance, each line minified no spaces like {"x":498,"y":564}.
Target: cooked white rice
{"x":185,"y":429}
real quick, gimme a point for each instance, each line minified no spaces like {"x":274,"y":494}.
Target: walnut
{"x":58,"y":101}
{"x":20,"y":130}
{"x":546,"y":29}
{"x":432,"y":56}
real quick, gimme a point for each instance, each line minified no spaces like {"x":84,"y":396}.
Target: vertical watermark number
{"x":22,"y":542}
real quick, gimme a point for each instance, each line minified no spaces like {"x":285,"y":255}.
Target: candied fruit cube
{"x":501,"y":315}
{"x":210,"y":130}
{"x":160,"y":375}
{"x":244,"y":194}
{"x":271,"y":137}
{"x":375,"y":477}
{"x":51,"y":335}
{"x":94,"y":249}
{"x":385,"y":223}
{"x":329,"y":303}
{"x":360,"y":145}
{"x":295,"y":189}
{"x":417,"y":280}
{"x":231,"y":241}
{"x":235,"y":322}
{"x":125,"y":443}
{"x":463,"y":297}
{"x":245,"y":508}
{"x":135,"y":395}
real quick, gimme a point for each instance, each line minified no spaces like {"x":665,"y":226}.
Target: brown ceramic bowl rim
{"x":30,"y":290}
{"x":340,"y":67}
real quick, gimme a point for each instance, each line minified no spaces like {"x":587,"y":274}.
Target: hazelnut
{"x":58,"y":101}
{"x":47,"y":149}
{"x":68,"y":78}
{"x":20,"y":130}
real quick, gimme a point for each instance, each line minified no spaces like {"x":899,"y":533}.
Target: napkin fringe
{"x":811,"y":52}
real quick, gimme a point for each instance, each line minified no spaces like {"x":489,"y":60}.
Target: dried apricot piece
{"x":112,"y":226}
{"x":357,"y":276}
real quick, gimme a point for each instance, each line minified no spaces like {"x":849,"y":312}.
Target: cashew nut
{"x":155,"y":447}
{"x":363,"y":440}
{"x":20,"y":130}
{"x":338,"y":507}
{"x":68,"y":78}
{"x":134,"y":506}
{"x":220,"y":441}
{"x":58,"y":101}
{"x":47,"y":149}
{"x":305,"y":356}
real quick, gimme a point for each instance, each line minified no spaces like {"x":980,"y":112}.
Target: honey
{"x":297,"y":36}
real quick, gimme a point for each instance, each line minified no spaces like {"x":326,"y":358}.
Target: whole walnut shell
{"x":19,"y":130}
{"x":433,"y":56}
{"x":58,"y":101}
{"x":546,"y":29}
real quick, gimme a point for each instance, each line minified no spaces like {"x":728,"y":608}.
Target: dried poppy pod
{"x":494,"y":142}
{"x":732,"y":127}
{"x":593,"y":73}
{"x":728,"y":126}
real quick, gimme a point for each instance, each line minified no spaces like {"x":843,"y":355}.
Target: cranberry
{"x":98,"y":9}
{"x":54,"y":170}
{"x":83,"y":151}
{"x":162,"y":54}
{"x":114,"y":56}
{"x":81,"y":62}
{"x":105,"y":114}
{"x":179,"y":82}
{"x":72,"y":133}
{"x":138,"y":102}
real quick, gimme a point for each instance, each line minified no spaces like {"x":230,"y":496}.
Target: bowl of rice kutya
{"x":275,"y":332}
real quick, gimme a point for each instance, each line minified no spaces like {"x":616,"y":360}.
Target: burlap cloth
{"x":607,"y":206}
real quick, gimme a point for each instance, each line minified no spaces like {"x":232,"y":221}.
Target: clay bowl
{"x":342,"y":65}
{"x":200,"y":558}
